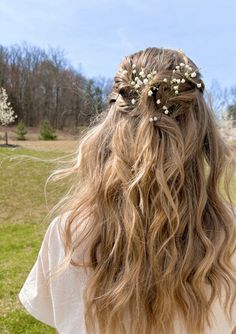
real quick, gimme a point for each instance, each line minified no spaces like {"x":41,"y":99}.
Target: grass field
{"x":22,"y":212}
{"x":23,"y":209}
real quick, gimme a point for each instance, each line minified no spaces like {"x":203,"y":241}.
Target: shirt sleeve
{"x":35,"y":294}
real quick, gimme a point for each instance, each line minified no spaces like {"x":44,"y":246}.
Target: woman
{"x":145,"y":242}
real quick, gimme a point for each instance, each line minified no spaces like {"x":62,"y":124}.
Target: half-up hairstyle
{"x":152,"y":201}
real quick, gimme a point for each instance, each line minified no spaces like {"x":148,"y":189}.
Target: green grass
{"x":23,"y":209}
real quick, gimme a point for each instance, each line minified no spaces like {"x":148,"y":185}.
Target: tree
{"x":21,"y":131}
{"x":7,"y":114}
{"x":47,"y":132}
{"x":231,"y":114}
{"x":42,"y":84}
{"x":218,"y":98}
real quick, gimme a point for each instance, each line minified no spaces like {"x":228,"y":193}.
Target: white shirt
{"x":59,"y":303}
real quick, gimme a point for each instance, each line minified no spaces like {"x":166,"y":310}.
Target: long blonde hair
{"x":158,"y":227}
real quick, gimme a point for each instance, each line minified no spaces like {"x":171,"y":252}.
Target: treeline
{"x":44,"y":85}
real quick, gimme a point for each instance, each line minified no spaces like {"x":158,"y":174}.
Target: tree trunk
{"x":6,"y":137}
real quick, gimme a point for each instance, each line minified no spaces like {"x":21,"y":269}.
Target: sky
{"x":96,"y":35}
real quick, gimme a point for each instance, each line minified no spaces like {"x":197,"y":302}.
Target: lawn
{"x":23,"y":209}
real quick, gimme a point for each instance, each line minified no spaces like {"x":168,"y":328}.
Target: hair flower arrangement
{"x":180,"y":74}
{"x":141,"y":79}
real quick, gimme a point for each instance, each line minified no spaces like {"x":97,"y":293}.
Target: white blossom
{"x":6,"y":112}
{"x":142,"y":74}
{"x":145,"y":81}
{"x":133,"y":101}
{"x":150,"y":92}
{"x":193,"y":75}
{"x":158,"y":101}
{"x":199,"y":85}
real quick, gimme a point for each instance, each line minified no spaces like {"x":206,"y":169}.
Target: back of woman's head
{"x":148,"y":186}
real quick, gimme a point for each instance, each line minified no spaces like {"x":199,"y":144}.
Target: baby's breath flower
{"x":145,"y":81}
{"x":150,"y":92}
{"x":134,"y":71}
{"x":133,"y":101}
{"x":150,"y":119}
{"x":193,"y":75}
{"x":158,"y":101}
{"x":165,"y":79}
{"x":142,"y":74}
{"x":199,"y":85}
{"x":132,"y":83}
{"x":124,"y":72}
{"x":155,"y":118}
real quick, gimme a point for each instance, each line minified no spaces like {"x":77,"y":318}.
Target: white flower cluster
{"x":187,"y":73}
{"x":6,"y":112}
{"x":140,"y":79}
{"x":180,"y":74}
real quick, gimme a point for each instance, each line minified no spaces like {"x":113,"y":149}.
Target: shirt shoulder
{"x":36,"y":294}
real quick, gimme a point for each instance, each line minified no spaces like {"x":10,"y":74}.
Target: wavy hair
{"x":153,"y":204}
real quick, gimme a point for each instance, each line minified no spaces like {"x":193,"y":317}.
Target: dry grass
{"x":67,"y":140}
{"x":42,"y":145}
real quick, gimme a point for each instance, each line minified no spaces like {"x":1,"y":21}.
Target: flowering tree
{"x":6,"y":112}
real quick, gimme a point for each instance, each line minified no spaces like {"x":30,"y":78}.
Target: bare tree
{"x":43,"y":85}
